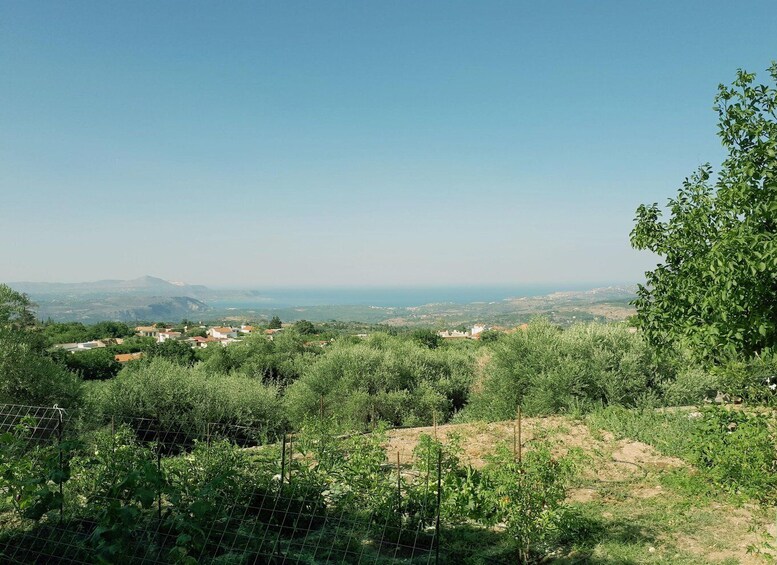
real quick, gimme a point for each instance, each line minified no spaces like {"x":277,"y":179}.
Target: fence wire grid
{"x":138,"y":492}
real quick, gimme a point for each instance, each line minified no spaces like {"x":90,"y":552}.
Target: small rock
{"x":651,"y":549}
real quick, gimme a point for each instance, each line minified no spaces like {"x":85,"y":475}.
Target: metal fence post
{"x":399,"y":486}
{"x":291,"y":455}
{"x":159,"y":480}
{"x":60,"y":426}
{"x":283,"y":461}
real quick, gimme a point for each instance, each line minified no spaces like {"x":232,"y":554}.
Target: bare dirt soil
{"x":621,"y":482}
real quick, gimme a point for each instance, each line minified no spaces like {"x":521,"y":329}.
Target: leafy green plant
{"x":715,"y":287}
{"x":31,"y":474}
{"x":118,"y":479}
{"x":202,"y":489}
{"x":527,"y":497}
{"x":736,"y":450}
{"x":750,"y":379}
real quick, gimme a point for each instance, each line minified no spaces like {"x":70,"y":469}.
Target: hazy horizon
{"x":354,"y":145}
{"x":262,"y":286}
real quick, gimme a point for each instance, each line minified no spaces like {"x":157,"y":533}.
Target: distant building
{"x":246,"y":329}
{"x":453,"y":334}
{"x":477,"y":329}
{"x":222,"y":332}
{"x":147,"y":331}
{"x":127,"y":357}
{"x":83,"y":346}
{"x":166,"y":335}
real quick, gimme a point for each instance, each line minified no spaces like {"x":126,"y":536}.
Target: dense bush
{"x":93,"y":364}
{"x":384,"y":378}
{"x":280,"y":360}
{"x":177,"y":351}
{"x":750,"y":380}
{"x":29,"y":376}
{"x":71,"y":332}
{"x":176,"y":397}
{"x":547,"y":370}
{"x":691,"y":386}
{"x":736,"y":450}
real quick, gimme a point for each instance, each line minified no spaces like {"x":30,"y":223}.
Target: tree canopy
{"x":28,"y":375}
{"x":716,"y":288}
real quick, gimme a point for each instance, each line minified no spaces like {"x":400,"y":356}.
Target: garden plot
{"x":635,"y":505}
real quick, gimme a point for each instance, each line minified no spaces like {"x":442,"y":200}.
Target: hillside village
{"x":202,"y":336}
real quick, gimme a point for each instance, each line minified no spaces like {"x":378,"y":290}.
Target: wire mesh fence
{"x":137,"y":491}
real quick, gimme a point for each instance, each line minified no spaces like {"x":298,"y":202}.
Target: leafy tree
{"x":277,"y":361}
{"x":93,"y":364}
{"x":305,"y":328}
{"x":178,"y":351}
{"x":275,"y":323}
{"x":15,"y":309}
{"x":110,"y":330}
{"x":64,"y":332}
{"x":490,"y":336}
{"x":427,"y":338}
{"x":27,"y":374}
{"x":717,"y":286}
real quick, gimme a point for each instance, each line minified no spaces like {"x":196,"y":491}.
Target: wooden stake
{"x":515,"y":441}
{"x":434,"y":423}
{"x":291,"y":454}
{"x":399,"y":484}
{"x":520,"y":448}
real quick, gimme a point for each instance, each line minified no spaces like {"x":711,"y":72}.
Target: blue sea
{"x":390,"y":297}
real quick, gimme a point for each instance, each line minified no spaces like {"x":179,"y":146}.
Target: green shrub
{"x":750,"y":379}
{"x":527,"y":497}
{"x":384,"y":378}
{"x":176,"y":398}
{"x":278,"y":361}
{"x":93,"y":364}
{"x":691,"y":386}
{"x":547,"y":370}
{"x":29,"y":376}
{"x":736,"y":450}
{"x":29,"y":472}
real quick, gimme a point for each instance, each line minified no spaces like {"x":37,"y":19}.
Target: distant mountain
{"x":144,"y":285}
{"x":145,"y":298}
{"x":124,"y":308}
{"x":157,"y":309}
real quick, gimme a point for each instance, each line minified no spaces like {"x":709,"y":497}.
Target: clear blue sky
{"x":354,"y":143}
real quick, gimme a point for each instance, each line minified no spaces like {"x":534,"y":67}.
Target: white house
{"x":222,"y":333}
{"x":477,"y":329}
{"x":453,"y":334}
{"x":147,"y":331}
{"x":165,"y":335}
